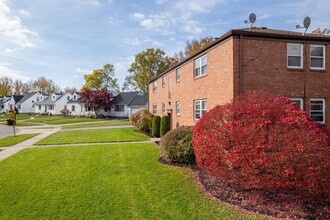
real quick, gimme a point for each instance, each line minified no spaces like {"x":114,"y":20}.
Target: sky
{"x":65,"y":39}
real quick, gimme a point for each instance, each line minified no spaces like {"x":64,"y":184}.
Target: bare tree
{"x":6,"y":86}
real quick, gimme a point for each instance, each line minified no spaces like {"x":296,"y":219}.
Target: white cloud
{"x":83,"y":71}
{"x":12,"y":29}
{"x":138,"y":16}
{"x":196,"y":6}
{"x":95,"y":2}
{"x":24,"y":13}
{"x":7,"y":71}
{"x":10,"y":51}
{"x":110,"y":2}
{"x":135,"y":41}
{"x":161,"y":2}
{"x":132,"y":41}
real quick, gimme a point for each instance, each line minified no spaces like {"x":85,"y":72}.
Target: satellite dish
{"x":307,"y":23}
{"x":252,"y":19}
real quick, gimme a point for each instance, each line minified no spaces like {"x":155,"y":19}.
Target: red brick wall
{"x":216,"y":87}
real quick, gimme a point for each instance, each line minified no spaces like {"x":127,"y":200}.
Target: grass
{"x":99,"y":124}
{"x":93,"y":136}
{"x":12,"y":140}
{"x":55,"y":120}
{"x":102,"y":182}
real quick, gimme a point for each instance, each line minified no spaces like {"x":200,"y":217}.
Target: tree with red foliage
{"x":258,"y":141}
{"x":97,"y":100}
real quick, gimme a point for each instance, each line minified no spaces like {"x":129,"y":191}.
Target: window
{"x":74,"y":97}
{"x":163,"y":81}
{"x":73,"y":108}
{"x":317,"y":110}
{"x":68,"y":98}
{"x":19,"y":106}
{"x":54,"y":97}
{"x":295,"y":52}
{"x":317,"y":57}
{"x":39,"y":107}
{"x":169,"y":87}
{"x":65,"y":107}
{"x":199,"y":108}
{"x":119,"y":108}
{"x":177,"y":109}
{"x":37,"y":99}
{"x":178,"y":75}
{"x":200,"y":66}
{"x":154,"y":109}
{"x":51,"y":107}
{"x":298,"y":102}
{"x":154,"y":87}
{"x":163,"y":108}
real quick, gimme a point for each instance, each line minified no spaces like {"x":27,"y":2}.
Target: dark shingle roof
{"x":26,"y":97}
{"x":140,"y":100}
{"x":124,"y":98}
{"x":17,"y":98}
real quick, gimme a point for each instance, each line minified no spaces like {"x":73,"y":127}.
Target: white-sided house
{"x":75,"y":107}
{"x":4,"y":104}
{"x":27,"y":103}
{"x":53,"y":104}
{"x":126,"y":103}
{"x":13,"y":102}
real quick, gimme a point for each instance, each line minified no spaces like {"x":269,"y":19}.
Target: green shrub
{"x":142,"y":120}
{"x":164,"y":125}
{"x":156,"y":126}
{"x":176,"y":146}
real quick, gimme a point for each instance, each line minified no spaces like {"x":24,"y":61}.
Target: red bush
{"x":258,"y":141}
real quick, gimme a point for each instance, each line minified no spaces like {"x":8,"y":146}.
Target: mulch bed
{"x":287,"y":205}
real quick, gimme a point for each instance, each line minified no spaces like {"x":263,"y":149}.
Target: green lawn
{"x":102,"y":182}
{"x":55,"y":120}
{"x":98,"y":124}
{"x":94,"y":136}
{"x":12,"y":140}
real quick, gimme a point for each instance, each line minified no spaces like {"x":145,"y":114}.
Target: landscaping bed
{"x":278,"y":204}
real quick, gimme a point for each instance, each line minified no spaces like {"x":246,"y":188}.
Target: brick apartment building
{"x":280,"y":62}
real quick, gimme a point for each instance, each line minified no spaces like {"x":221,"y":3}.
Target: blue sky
{"x":65,"y":39}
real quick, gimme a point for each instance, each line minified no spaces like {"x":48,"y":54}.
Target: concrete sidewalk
{"x":7,"y":152}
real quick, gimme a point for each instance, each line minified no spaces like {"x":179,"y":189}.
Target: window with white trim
{"x":163,"y":81}
{"x":298,"y":103}
{"x":317,"y":110}
{"x":154,"y":109}
{"x":200,"y":66}
{"x":68,"y":98}
{"x":73,"y":108}
{"x":154,"y":86}
{"x":178,"y":75}
{"x":317,"y":57}
{"x":39,"y":107}
{"x":199,"y":108}
{"x":177,"y":108}
{"x":19,"y":106}
{"x":163,"y":108}
{"x":295,"y":55}
{"x":119,"y":108}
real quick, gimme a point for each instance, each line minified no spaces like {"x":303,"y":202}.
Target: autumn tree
{"x":319,"y":31}
{"x":70,"y":90}
{"x":101,"y":78}
{"x":18,"y":87}
{"x":44,"y":85}
{"x":191,"y":48}
{"x":147,"y":65}
{"x":96,"y":99}
{"x":6,"y":86}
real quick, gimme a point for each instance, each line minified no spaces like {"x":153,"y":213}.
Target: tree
{"x":101,"y":78}
{"x":70,"y":90}
{"x":319,"y":31}
{"x":28,"y":86}
{"x":147,"y":65}
{"x":96,"y":99}
{"x":18,"y":87}
{"x":6,"y":86}
{"x":191,"y":48}
{"x":44,"y":85}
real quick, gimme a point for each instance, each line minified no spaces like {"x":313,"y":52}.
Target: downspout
{"x":240,"y":65}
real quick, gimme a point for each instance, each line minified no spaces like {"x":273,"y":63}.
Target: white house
{"x":127,"y":103}
{"x":4,"y":104}
{"x":53,"y":104}
{"x":13,"y":102}
{"x":75,"y":107}
{"x":26,"y":104}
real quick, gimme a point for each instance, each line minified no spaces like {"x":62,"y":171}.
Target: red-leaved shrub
{"x":258,"y":141}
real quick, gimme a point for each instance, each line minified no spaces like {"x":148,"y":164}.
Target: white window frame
{"x":323,"y":109}
{"x":154,"y":86}
{"x":177,"y":108}
{"x":154,"y":109}
{"x":301,"y":55}
{"x":119,"y":108}
{"x":19,"y":107}
{"x":301,"y":107}
{"x":73,"y":108}
{"x":68,"y":98}
{"x":199,"y":59}
{"x":178,"y":75}
{"x":200,"y":101}
{"x":163,"y":81}
{"x":310,"y":51}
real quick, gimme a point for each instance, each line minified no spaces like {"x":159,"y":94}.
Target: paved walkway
{"x":6,"y":130}
{"x":48,"y":130}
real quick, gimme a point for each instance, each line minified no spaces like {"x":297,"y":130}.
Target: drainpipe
{"x":240,"y":65}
